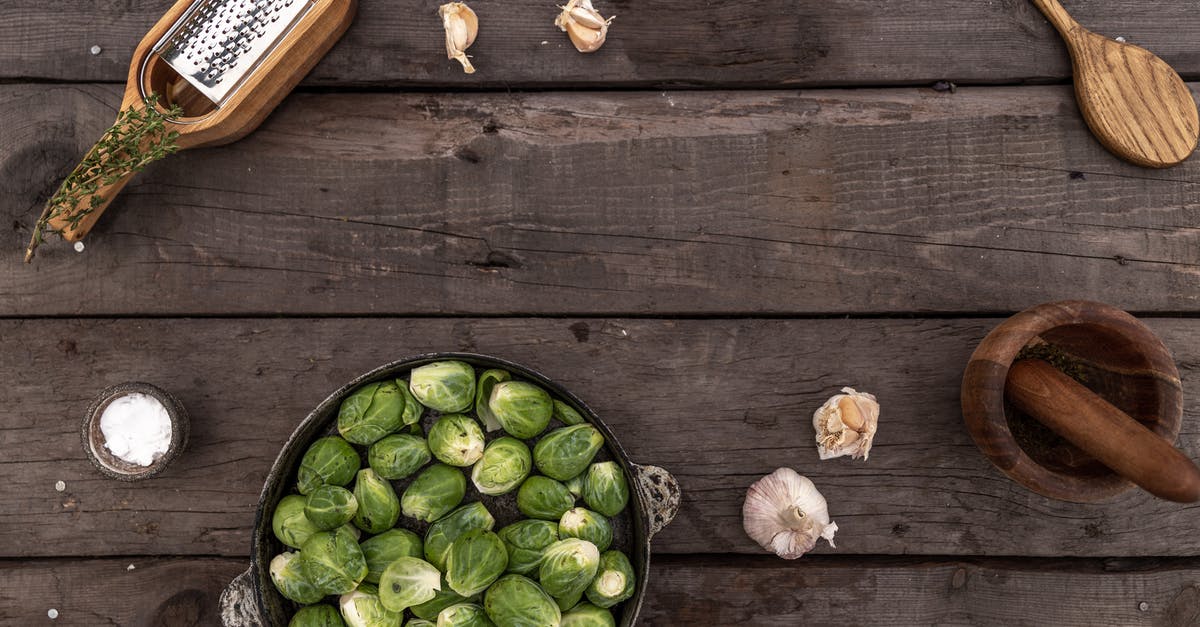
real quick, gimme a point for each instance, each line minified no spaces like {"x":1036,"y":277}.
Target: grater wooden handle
{"x":78,"y":230}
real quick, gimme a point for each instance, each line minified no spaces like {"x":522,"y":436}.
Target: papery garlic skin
{"x":846,"y":425}
{"x":785,"y":514}
{"x":583,"y":24}
{"x":462,"y":25}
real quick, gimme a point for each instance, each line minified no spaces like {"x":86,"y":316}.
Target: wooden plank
{"x":990,"y":199}
{"x":712,"y":591}
{"x":718,"y":402}
{"x":398,"y":43}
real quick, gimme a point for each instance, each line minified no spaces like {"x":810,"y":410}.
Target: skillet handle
{"x":660,"y":492}
{"x":239,"y":605}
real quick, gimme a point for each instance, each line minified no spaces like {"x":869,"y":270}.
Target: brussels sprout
{"x":330,"y":506}
{"x":605,"y":489}
{"x":525,"y":541}
{"x":614,"y":581}
{"x":456,"y":440}
{"x":399,"y":455}
{"x":386,"y":548}
{"x":378,"y":507}
{"x":506,"y":463}
{"x":575,"y":484}
{"x":408,"y":581}
{"x":419,"y":622}
{"x":290,"y":579}
{"x":412,"y":408}
{"x":447,"y":386}
{"x":523,"y":409}
{"x":362,"y":608}
{"x":464,"y":615}
{"x":588,"y":615}
{"x":329,"y":461}
{"x":444,"y":598}
{"x":516,"y":601}
{"x":483,"y":393}
{"x":566,"y":452}
{"x":544,"y":498}
{"x":437,"y":490}
{"x":446,"y":530}
{"x":290,"y":524}
{"x":371,"y":412}
{"x":333,"y":561}
{"x":586,"y":525}
{"x":567,"y":568}
{"x":567,"y":414}
{"x":476,"y":559}
{"x":321,"y":615}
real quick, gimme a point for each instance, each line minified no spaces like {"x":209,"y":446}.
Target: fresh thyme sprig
{"x":137,"y":139}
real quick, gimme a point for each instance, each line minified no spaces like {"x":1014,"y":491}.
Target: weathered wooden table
{"x":701,"y":229}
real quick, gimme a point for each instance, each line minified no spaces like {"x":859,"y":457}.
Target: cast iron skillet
{"x":251,"y":600}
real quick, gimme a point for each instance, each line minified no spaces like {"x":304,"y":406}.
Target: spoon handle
{"x":1058,"y":16}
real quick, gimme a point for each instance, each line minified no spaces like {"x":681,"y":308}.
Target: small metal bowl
{"x":114,"y":467}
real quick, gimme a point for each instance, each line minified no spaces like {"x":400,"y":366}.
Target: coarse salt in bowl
{"x":134,"y":430}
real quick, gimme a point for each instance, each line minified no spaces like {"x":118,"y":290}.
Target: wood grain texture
{"x":669,"y":43}
{"x":990,"y":199}
{"x":718,"y":590}
{"x":719,"y":403}
{"x":1137,"y":106}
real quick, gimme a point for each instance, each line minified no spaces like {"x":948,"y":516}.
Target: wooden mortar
{"x":1079,"y":441}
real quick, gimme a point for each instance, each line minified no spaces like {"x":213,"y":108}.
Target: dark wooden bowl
{"x":1113,"y":354}
{"x":114,"y":467}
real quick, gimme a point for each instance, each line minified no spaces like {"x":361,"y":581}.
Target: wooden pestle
{"x":1093,"y":424}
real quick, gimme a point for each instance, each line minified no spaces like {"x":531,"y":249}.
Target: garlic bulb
{"x":846,"y":425}
{"x":583,"y":24}
{"x":461,"y":26}
{"x":785,"y":514}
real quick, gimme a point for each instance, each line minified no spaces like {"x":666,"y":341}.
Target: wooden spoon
{"x":1135,"y":104}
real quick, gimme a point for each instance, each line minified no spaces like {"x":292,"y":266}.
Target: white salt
{"x":136,"y":428}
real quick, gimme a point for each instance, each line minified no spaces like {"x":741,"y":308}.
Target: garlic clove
{"x":846,"y":425}
{"x":784,"y":513}
{"x":461,"y":25}
{"x":584,"y":25}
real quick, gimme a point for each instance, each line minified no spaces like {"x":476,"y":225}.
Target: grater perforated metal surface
{"x":216,"y":44}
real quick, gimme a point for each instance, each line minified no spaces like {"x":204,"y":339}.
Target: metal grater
{"x":217,"y":44}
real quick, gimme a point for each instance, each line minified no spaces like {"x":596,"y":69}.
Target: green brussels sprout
{"x":566,"y":414}
{"x":523,"y":409}
{"x":586,"y":525}
{"x":371,"y":412}
{"x":614,"y":581}
{"x":476,"y":559}
{"x":483,"y":393}
{"x":446,"y":530}
{"x":413,"y":409}
{"x":321,"y":615}
{"x":362,"y":608}
{"x":605,"y":489}
{"x":383,"y":549}
{"x":330,"y":506}
{"x":408,"y":581}
{"x":447,"y":386}
{"x":329,"y":461}
{"x":566,"y":452}
{"x":544,"y":498}
{"x":398,"y":455}
{"x":456,"y":440}
{"x":588,"y":615}
{"x":378,"y":507}
{"x":525,"y":541}
{"x":464,"y":615}
{"x":505,"y":464}
{"x":567,"y":568}
{"x":444,"y":598}
{"x":575,"y":485}
{"x":290,"y":524}
{"x":516,"y":601}
{"x":419,"y":622}
{"x":288,"y":575}
{"x":333,"y":561}
{"x":436,"y":491}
